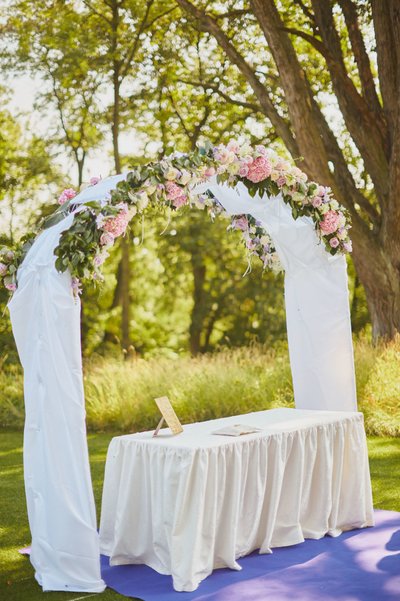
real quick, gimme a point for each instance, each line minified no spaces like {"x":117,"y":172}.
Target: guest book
{"x":236,"y":430}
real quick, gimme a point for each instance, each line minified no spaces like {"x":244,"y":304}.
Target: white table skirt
{"x":187,"y":504}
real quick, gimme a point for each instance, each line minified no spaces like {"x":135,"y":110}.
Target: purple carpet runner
{"x":360,"y":565}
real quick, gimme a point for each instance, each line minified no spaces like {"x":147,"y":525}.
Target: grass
{"x":16,"y":575}
{"x":119,"y":398}
{"x":119,"y":394}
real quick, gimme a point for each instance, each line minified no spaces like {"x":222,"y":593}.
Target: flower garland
{"x":172,"y":182}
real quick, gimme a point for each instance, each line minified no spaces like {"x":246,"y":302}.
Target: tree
{"x":48,"y":40}
{"x":361,"y":163}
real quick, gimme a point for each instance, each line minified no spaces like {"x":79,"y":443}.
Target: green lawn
{"x":16,"y":575}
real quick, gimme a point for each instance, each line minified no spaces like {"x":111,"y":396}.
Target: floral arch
{"x":175,"y":182}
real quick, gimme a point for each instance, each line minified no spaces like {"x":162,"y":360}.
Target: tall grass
{"x":119,"y":394}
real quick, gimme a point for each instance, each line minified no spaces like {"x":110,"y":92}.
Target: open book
{"x":236,"y":430}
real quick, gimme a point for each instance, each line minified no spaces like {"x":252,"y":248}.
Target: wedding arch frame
{"x":285,"y":220}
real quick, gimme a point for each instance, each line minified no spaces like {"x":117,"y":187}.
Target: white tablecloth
{"x":188,"y":504}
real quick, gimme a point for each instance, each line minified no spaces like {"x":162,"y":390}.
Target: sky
{"x":23,"y":91}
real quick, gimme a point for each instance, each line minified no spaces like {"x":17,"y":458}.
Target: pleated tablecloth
{"x":188,"y":504}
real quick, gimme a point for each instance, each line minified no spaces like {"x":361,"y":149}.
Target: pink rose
{"x":261,"y":149}
{"x":99,"y":260}
{"x":243,"y":170}
{"x":316,"y":201}
{"x":209,"y":172}
{"x":321,"y":191}
{"x":281,"y":181}
{"x":12,"y":287}
{"x":241,"y":223}
{"x":94,"y":180}
{"x":334,"y":242}
{"x":106,"y":239}
{"x":66,"y":195}
{"x":233,"y":146}
{"x":3,"y":269}
{"x":330,"y":222}
{"x":259,"y":169}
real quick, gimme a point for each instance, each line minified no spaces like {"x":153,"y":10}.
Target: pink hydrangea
{"x":180,"y":201}
{"x":334,"y":242}
{"x":12,"y":287}
{"x":330,"y":222}
{"x":176,"y":194}
{"x":66,"y":195}
{"x":117,"y":225}
{"x":173,"y":190}
{"x":259,"y":169}
{"x":106,"y":239}
{"x":3,"y":269}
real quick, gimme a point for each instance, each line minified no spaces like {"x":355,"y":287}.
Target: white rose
{"x":142,"y":201}
{"x":171,"y":174}
{"x":185,"y":178}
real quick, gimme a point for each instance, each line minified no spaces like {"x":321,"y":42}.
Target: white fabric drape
{"x":316,"y":300}
{"x":187,"y":504}
{"x":61,"y":511}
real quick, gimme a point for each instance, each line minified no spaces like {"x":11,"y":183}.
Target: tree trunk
{"x":197,"y":316}
{"x":376,"y":131}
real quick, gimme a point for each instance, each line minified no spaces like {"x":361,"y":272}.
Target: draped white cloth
{"x":61,"y":511}
{"x":187,"y":504}
{"x":316,"y":300}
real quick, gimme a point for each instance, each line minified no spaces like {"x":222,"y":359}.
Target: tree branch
{"x":96,"y":12}
{"x":360,"y":54}
{"x":232,"y":14}
{"x":212,"y":86}
{"x":126,"y":62}
{"x":207,"y":23}
{"x":363,"y":125}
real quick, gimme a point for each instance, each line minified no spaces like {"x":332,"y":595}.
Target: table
{"x":188,"y":504}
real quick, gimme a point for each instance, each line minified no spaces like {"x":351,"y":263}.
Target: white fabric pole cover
{"x":316,"y":299}
{"x":46,"y":324}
